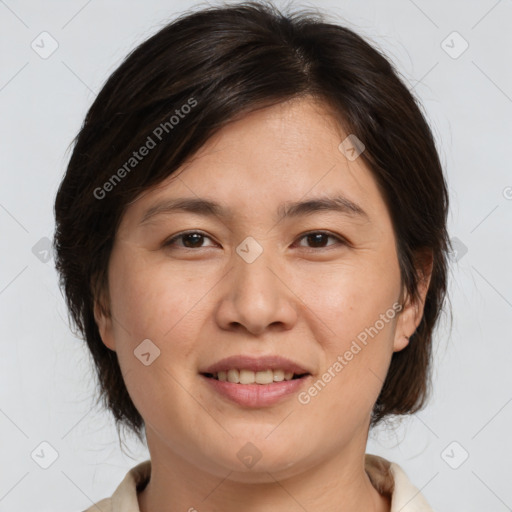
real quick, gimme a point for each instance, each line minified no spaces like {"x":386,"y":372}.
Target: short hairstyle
{"x":194,"y":76}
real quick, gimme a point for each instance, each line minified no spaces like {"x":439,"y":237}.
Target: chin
{"x":266,"y":470}
{"x":263,"y":461}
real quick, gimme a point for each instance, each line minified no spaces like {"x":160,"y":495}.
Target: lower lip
{"x":256,"y":395}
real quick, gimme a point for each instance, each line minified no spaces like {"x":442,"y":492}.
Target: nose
{"x":256,"y":295}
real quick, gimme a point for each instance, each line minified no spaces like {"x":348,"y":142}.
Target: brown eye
{"x":190,"y":240}
{"x":318,"y":239}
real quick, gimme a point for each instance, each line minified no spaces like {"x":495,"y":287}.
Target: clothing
{"x":387,"y":477}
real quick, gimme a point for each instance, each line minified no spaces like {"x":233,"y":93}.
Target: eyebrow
{"x":206,"y":207}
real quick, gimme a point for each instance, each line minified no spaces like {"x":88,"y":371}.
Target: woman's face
{"x":260,"y":278}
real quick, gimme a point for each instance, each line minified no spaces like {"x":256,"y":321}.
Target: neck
{"x":339,"y":484}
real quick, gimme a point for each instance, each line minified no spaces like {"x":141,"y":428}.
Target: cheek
{"x":152,"y":300}
{"x":142,"y":294}
{"x":350,"y":298}
{"x":356,"y":304}
{"x":356,"y":361}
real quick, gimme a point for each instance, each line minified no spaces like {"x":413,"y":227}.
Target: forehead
{"x":281,"y":154}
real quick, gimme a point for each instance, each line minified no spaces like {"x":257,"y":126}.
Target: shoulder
{"x":390,"y":479}
{"x":124,"y":498}
{"x":104,"y":505}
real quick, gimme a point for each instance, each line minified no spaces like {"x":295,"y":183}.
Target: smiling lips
{"x":255,"y":381}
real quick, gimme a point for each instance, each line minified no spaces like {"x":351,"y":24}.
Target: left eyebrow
{"x":206,"y":207}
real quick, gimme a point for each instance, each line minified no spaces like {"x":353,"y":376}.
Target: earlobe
{"x":408,"y":321}
{"x":104,"y":322}
{"x":401,"y":343}
{"x":412,"y":313}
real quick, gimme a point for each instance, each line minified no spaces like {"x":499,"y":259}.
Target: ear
{"x":412,"y":311}
{"x":103,"y":318}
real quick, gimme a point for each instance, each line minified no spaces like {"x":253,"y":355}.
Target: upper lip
{"x":256,"y":364}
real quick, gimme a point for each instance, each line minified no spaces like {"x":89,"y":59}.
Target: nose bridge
{"x":252,"y":274}
{"x":257,"y":297}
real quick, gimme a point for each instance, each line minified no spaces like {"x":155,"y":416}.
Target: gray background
{"x":47,"y":384}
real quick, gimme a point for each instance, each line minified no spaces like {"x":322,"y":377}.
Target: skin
{"x":198,"y":301}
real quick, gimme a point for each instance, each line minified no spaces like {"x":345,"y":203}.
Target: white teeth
{"x":249,"y":377}
{"x":265,"y":377}
{"x":278,"y":375}
{"x":234,"y":376}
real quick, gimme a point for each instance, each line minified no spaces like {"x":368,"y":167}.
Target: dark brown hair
{"x":224,"y":62}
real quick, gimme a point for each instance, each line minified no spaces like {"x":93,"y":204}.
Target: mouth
{"x":255,"y":381}
{"x":245,"y":376}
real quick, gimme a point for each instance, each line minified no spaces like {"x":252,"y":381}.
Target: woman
{"x":251,"y":236}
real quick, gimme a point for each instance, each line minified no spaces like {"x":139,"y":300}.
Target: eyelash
{"x":341,"y":241}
